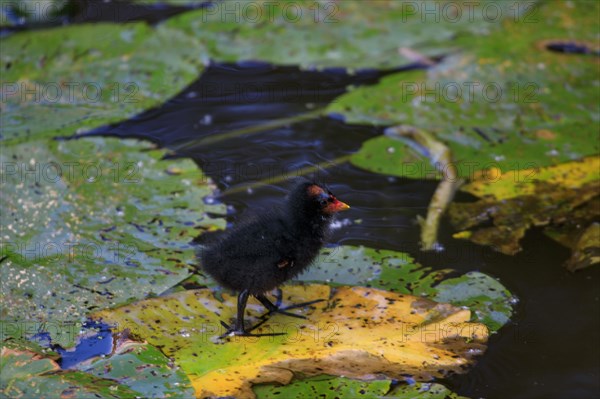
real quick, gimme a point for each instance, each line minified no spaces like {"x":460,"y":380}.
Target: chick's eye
{"x":323,"y":202}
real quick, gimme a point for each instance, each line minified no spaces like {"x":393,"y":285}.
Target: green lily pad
{"x":26,"y":375}
{"x":424,"y":391}
{"x":331,"y":388}
{"x":171,"y":2}
{"x":490,"y":302}
{"x":94,"y":223}
{"x":502,"y":102}
{"x":41,"y":12}
{"x":142,"y":368}
{"x":335,"y":34}
{"x":61,"y":81}
{"x":380,"y":268}
{"x":326,"y":388}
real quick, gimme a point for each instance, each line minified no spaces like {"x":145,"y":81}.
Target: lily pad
{"x":586,"y":252}
{"x":336,"y":34}
{"x":379,"y":268}
{"x":142,"y":368}
{"x":60,"y":81}
{"x":326,"y":388}
{"x":560,"y":198}
{"x":518,"y":183}
{"x":19,"y":12}
{"x":94,"y":223}
{"x":27,"y":375}
{"x":361,"y":333}
{"x":332,"y":388}
{"x":489,"y":301}
{"x":502,"y":102}
{"x":159,"y":3}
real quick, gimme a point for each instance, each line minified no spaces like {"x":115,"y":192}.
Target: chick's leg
{"x":276,"y":308}
{"x":239,"y":328}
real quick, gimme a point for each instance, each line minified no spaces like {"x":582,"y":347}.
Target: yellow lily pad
{"x":515,"y":183}
{"x":584,"y":244}
{"x":361,"y":333}
{"x":587,"y":250}
{"x":563,"y":199}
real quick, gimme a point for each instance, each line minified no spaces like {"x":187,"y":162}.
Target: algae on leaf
{"x":357,"y":332}
{"x":59,"y":81}
{"x":94,"y":223}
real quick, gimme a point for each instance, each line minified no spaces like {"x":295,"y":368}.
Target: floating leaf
{"x":504,"y":102}
{"x":21,"y":13}
{"x":325,"y":387}
{"x":587,"y":250}
{"x":490,"y":302}
{"x":63,"y":79}
{"x":332,"y":388}
{"x":142,"y":368}
{"x":562,"y":197}
{"x":517,"y":183}
{"x":93,"y":223}
{"x":332,"y":34}
{"x":424,"y":391}
{"x":26,"y":375}
{"x":584,"y":242}
{"x":379,"y":268}
{"x":359,"y":332}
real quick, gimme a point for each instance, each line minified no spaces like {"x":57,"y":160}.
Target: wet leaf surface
{"x":330,"y":34}
{"x":61,"y":81}
{"x":326,"y":387}
{"x":359,"y":332}
{"x":587,"y":250}
{"x":94,"y":223}
{"x":20,"y":13}
{"x":584,"y":242}
{"x":562,"y":199}
{"x":503,"y":102}
{"x":519,"y":183}
{"x":27,"y":375}
{"x":142,"y":368}
{"x":489,"y":301}
{"x":331,"y":388}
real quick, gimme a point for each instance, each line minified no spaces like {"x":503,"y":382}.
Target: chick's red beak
{"x":336,"y":206}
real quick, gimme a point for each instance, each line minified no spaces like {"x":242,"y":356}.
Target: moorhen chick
{"x":272,"y":247}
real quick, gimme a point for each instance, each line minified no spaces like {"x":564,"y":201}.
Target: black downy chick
{"x":261,"y":253}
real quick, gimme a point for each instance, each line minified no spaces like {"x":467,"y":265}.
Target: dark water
{"x":96,"y":340}
{"x":549,"y":349}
